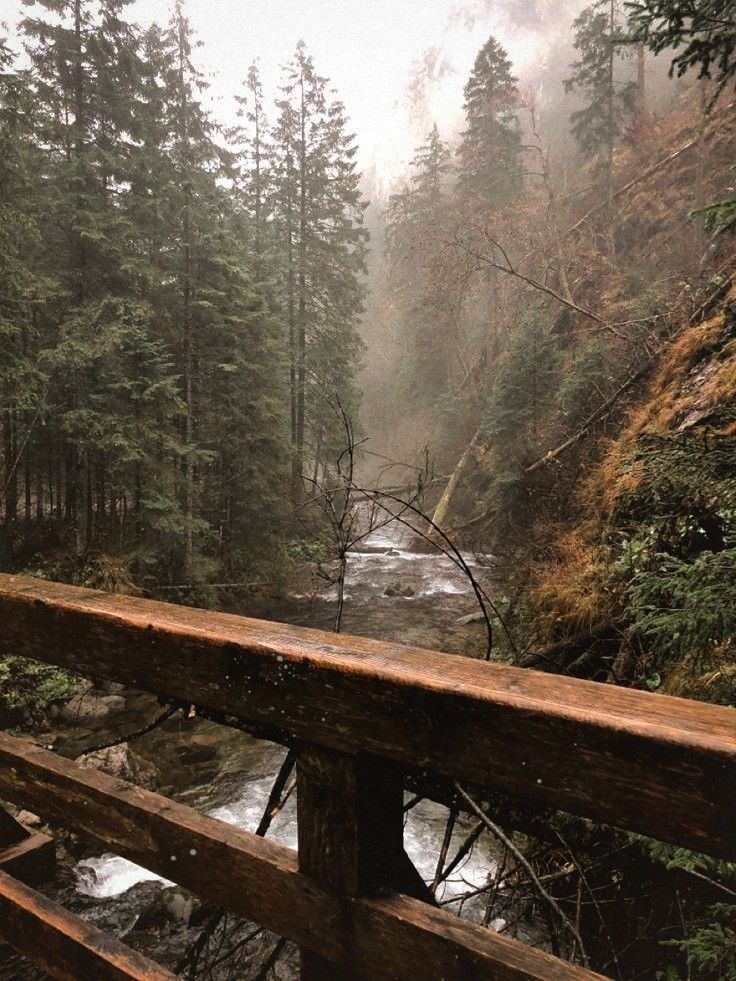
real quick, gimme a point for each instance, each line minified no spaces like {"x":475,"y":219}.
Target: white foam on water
{"x":110,"y":875}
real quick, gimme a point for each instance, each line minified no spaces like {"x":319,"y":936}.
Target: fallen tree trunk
{"x":601,"y":411}
{"x":443,"y":505}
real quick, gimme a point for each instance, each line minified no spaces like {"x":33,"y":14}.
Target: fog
{"x":398,"y":65}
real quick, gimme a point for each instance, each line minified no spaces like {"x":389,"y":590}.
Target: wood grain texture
{"x":350,"y":813}
{"x":661,"y":766}
{"x":64,"y":945}
{"x":32,"y":860}
{"x":351,"y":831}
{"x":392,"y":937}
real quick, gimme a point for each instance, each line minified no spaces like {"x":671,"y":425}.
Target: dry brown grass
{"x":721,"y":386}
{"x":567,"y":593}
{"x":571,"y":593}
{"x":614,"y":476}
{"x":715,"y":681}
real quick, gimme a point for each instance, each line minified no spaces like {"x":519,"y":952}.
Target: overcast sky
{"x":377,"y":54}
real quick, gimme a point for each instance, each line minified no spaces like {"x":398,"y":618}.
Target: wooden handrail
{"x":662,"y":766}
{"x":363,"y":712}
{"x":64,"y":945}
{"x":388,"y":937}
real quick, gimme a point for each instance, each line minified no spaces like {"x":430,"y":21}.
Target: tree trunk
{"x":77,"y":492}
{"x":27,"y":479}
{"x":301,"y":330}
{"x":611,"y":139}
{"x":443,"y":506}
{"x":89,"y":512}
{"x":10,"y":474}
{"x":100,"y":498}
{"x":641,"y":78}
{"x":186,"y":312}
{"x":295,"y":468}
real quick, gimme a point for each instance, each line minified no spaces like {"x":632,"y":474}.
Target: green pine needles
{"x":177,"y":304}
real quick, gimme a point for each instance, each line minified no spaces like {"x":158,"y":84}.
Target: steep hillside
{"x":648,"y":574}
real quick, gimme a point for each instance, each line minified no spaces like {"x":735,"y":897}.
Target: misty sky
{"x":379,"y":54}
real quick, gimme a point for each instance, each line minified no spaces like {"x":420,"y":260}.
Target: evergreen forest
{"x":470,"y":388}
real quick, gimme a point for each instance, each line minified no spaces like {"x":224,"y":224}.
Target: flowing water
{"x":229,"y":775}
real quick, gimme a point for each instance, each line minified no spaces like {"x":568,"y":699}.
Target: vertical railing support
{"x":28,"y":856}
{"x":351,"y":830}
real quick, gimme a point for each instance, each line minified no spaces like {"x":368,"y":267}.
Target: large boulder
{"x":171,"y":907}
{"x":91,"y":706}
{"x":121,"y":761}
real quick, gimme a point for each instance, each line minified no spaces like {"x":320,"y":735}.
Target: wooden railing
{"x":362,"y":713}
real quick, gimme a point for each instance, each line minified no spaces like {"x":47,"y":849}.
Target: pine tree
{"x":417,"y":219}
{"x":140,"y":315}
{"x":489,"y":172}
{"x":318,"y":218}
{"x":524,"y":380}
{"x":701,"y":32}
{"x":81,"y":68}
{"x":254,"y":157}
{"x":22,"y":382}
{"x":599,"y":39}
{"x":609,"y":102}
{"x":214,"y":318}
{"x":431,"y":166}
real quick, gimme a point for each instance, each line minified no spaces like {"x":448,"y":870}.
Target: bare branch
{"x":522,"y":860}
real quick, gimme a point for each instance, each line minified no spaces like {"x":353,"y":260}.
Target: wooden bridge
{"x":363,"y":714}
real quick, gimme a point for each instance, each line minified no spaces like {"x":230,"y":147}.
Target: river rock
{"x":173,"y":906}
{"x":398,"y":589}
{"x":120,"y":761}
{"x":471,"y":618}
{"x":91,"y":707}
{"x":195,"y":753}
{"x":29,"y":820}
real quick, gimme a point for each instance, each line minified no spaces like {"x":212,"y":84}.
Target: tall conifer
{"x":489,"y":168}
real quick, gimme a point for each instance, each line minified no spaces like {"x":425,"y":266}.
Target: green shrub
{"x":711,"y":947}
{"x":28,"y":687}
{"x":684,"y":608}
{"x":583,"y":385}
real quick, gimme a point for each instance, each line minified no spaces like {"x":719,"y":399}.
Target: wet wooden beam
{"x":63,"y":945}
{"x":373,"y":938}
{"x":350,"y":813}
{"x":662,"y":766}
{"x":32,"y":860}
{"x":351,"y":831}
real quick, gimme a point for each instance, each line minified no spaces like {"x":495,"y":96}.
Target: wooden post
{"x":29,"y":857}
{"x":351,"y":831}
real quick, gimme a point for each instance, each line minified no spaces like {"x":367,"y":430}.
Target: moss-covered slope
{"x":655,"y":557}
